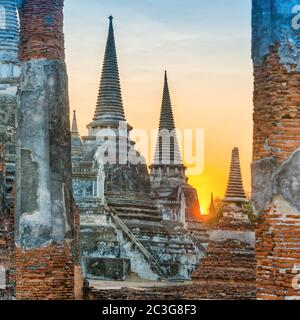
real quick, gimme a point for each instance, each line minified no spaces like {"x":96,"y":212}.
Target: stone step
{"x":200,"y":235}
{"x":146,"y":224}
{"x":130,"y":201}
{"x":167,"y":242}
{"x":155,"y":250}
{"x":171,"y":236}
{"x":140,"y":216}
{"x":129,"y":208}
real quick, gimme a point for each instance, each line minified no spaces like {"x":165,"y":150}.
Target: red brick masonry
{"x":45,"y":273}
{"x":277,"y":110}
{"x":6,"y":235}
{"x":41,"y":30}
{"x":276,"y":134}
{"x":186,"y":292}
{"x":277,"y":254}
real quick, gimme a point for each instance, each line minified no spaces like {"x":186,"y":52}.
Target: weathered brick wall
{"x":187,"y":292}
{"x":45,"y":273}
{"x":6,"y":235}
{"x":42,"y":30}
{"x":276,"y":109}
{"x":45,"y":232}
{"x":3,"y":233}
{"x":276,"y":142}
{"x":228,"y":268}
{"x":9,"y":76}
{"x":12,"y":246}
{"x":278,"y":254}
{"x":78,"y":276}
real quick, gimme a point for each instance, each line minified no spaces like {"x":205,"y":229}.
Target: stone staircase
{"x":175,"y":250}
{"x":154,"y":264}
{"x":200,"y":231}
{"x":102,"y":256}
{"x":127,"y":237}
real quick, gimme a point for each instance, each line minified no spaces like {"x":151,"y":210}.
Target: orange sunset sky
{"x":204,"y":45}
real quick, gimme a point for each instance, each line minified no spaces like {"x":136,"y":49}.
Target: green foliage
{"x":251,"y":215}
{"x":218,"y":212}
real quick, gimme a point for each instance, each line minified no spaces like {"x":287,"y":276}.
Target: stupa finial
{"x":109,"y":108}
{"x":235,"y":190}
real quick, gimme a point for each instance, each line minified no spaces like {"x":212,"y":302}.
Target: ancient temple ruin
{"x":276,"y":154}
{"x":135,"y":224}
{"x":122,"y":231}
{"x":173,"y":196}
{"x":9,"y":79}
{"x":167,"y":176}
{"x":226,"y":272}
{"x":228,"y":269}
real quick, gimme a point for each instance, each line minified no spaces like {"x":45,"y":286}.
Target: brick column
{"x":276,"y":152}
{"x":4,"y":248}
{"x":9,"y":78}
{"x":44,"y":208}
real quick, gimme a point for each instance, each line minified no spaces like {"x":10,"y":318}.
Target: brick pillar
{"x":3,"y":231}
{"x":9,"y":78}
{"x":44,"y":218}
{"x":276,"y":152}
{"x":7,"y":248}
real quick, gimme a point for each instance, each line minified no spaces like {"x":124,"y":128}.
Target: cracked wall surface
{"x":44,"y":216}
{"x":9,"y":78}
{"x":276,"y":165}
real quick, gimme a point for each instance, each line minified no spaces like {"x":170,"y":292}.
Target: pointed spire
{"x":212,"y":208}
{"x":167,"y":153}
{"x":109,"y":109}
{"x":75,"y":136}
{"x":235,"y":190}
{"x":166,"y":115}
{"x":74,"y":124}
{"x":212,"y":199}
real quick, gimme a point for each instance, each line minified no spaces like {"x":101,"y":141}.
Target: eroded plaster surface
{"x":273,"y":24}
{"x":43,"y":165}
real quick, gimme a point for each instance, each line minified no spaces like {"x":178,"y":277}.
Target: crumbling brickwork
{"x":277,"y":252}
{"x":44,"y":217}
{"x":277,"y":114}
{"x":4,"y":263}
{"x":7,"y":289}
{"x":180,"y":292}
{"x":42,"y":30}
{"x":78,"y":276}
{"x":276,"y":153}
{"x":45,"y":273}
{"x":9,"y":77}
{"x":228,"y":268}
